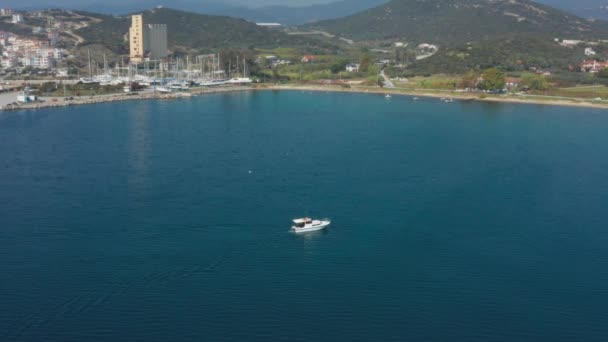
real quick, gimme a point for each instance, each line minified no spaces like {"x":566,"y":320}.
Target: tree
{"x":469,"y":80}
{"x":534,"y":82}
{"x":372,"y":70}
{"x":230,"y":56}
{"x":339,"y":65}
{"x":275,"y":75}
{"x":493,"y":79}
{"x":603,"y":73}
{"x":47,"y":87}
{"x":365,"y":63}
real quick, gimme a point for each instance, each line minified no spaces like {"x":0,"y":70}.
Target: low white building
{"x":6,"y":12}
{"x":569,"y":42}
{"x":590,"y":52}
{"x":352,"y":67}
{"x":427,"y":48}
{"x":8,"y":63}
{"x":270,"y":25}
{"x":63,"y":72}
{"x":17,"y":18}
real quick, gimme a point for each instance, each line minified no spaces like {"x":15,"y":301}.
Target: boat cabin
{"x":300,"y":223}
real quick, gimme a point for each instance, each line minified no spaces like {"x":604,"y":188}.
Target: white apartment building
{"x":17,"y":18}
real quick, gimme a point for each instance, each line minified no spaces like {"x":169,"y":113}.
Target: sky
{"x":78,"y":3}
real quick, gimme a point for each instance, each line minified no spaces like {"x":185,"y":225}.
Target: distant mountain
{"x":186,"y":30}
{"x":301,"y":15}
{"x":585,"y":8}
{"x":284,"y":14}
{"x":454,"y":22}
{"x":285,"y":11}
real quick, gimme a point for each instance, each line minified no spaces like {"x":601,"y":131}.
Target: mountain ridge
{"x":285,"y":13}
{"x":454,"y":22}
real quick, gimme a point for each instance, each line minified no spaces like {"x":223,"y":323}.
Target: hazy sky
{"x":77,"y":3}
{"x":249,"y":3}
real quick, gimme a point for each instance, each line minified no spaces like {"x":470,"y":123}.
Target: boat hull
{"x":312,"y":228}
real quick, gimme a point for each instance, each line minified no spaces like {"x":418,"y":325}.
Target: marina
{"x":174,"y":74}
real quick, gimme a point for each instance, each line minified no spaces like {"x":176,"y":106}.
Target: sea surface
{"x":169,"y":220}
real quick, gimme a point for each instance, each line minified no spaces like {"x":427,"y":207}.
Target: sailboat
{"x":90,"y":79}
{"x":240,"y":80}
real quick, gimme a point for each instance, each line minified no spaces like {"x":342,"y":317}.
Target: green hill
{"x":454,"y":22}
{"x":518,"y":53}
{"x":192,"y":31}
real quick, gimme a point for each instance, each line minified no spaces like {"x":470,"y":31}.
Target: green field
{"x":433,"y":82}
{"x":587,"y":92}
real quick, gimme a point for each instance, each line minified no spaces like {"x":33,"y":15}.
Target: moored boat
{"x":162,"y":89}
{"x":239,"y":80}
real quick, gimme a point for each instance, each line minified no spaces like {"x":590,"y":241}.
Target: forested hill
{"x":454,"y":22}
{"x":186,"y":30}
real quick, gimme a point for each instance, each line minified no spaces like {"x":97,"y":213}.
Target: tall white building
{"x":147,"y":40}
{"x":156,"y":39}
{"x":137,"y":49}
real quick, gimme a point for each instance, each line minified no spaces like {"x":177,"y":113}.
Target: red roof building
{"x":593,"y":66}
{"x":308,"y":59}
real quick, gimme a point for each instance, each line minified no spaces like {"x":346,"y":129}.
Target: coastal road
{"x":387,"y":82}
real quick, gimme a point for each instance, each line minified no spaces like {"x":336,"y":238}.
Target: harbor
{"x":8,"y":101}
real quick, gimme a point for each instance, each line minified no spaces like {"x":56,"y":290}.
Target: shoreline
{"x":53,"y":102}
{"x":573,"y":102}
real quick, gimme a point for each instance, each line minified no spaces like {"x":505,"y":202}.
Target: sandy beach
{"x":573,"y":102}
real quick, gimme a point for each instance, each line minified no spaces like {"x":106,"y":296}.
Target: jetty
{"x":8,"y":100}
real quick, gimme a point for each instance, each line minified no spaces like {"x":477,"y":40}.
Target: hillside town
{"x":19,"y":51}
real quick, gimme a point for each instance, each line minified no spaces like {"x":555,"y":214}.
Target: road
{"x":387,"y":82}
{"x":6,"y":98}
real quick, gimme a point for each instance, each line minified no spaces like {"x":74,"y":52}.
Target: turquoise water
{"x":141,"y":221}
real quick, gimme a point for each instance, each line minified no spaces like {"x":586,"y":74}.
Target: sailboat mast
{"x":90,"y":70}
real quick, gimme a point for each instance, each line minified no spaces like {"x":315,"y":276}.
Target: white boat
{"x":388,"y":96}
{"x":88,"y":80}
{"x":239,"y":80}
{"x":162,"y":89}
{"x":304,"y":225}
{"x":211,"y":83}
{"x":179,"y":85}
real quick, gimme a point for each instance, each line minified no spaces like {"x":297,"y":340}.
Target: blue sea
{"x":169,"y":220}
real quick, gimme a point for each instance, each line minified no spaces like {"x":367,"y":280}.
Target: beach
{"x":572,"y":102}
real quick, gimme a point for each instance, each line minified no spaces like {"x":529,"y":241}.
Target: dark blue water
{"x":141,"y":221}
